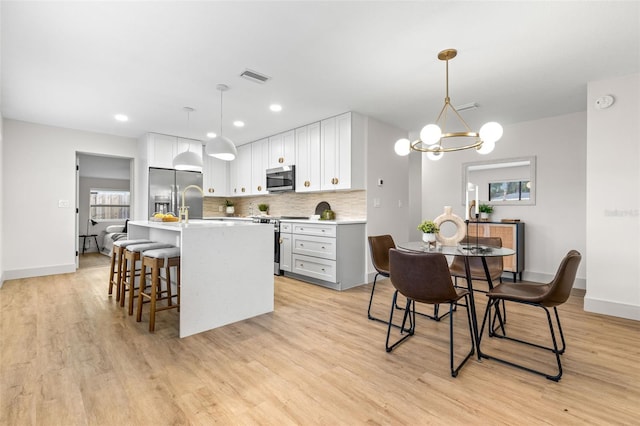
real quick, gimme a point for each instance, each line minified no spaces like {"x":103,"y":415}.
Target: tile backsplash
{"x":346,"y":204}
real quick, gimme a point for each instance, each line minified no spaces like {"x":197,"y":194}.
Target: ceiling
{"x":76,"y":64}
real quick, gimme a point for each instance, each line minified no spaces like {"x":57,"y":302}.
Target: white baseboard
{"x":15,"y":274}
{"x":614,"y":309}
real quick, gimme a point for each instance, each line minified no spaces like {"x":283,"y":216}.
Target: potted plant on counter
{"x":230,"y":209}
{"x":485,"y":210}
{"x":264,"y":208}
{"x":429,"y":230}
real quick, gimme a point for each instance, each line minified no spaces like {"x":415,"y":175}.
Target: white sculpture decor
{"x":448,"y":216}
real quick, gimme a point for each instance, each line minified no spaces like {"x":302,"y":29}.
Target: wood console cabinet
{"x":512,"y":235}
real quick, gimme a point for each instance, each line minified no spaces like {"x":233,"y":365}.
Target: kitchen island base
{"x":226,"y":269}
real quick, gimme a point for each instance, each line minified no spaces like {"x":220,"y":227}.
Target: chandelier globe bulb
{"x":430,"y":134}
{"x":402,"y":147}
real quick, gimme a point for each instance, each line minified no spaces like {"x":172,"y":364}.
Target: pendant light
{"x":220,"y":147}
{"x":188,"y":160}
{"x":433,"y":137}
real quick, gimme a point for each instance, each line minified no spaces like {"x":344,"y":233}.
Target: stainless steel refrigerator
{"x":165,"y":191}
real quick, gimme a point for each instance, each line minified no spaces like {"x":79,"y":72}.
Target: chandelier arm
{"x":461,"y":119}
{"x":418,"y":144}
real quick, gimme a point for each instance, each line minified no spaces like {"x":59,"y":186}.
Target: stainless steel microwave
{"x":281,"y":179}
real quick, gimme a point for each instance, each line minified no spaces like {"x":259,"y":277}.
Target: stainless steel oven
{"x":276,"y":241}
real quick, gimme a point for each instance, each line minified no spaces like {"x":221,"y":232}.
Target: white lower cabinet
{"x":332,"y":255}
{"x":285,"y":246}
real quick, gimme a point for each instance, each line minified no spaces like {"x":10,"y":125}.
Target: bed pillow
{"x":113,"y":228}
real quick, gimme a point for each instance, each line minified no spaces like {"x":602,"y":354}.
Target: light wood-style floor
{"x":71,"y":356}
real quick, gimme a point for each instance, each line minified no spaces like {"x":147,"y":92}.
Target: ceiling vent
{"x":256,"y":77}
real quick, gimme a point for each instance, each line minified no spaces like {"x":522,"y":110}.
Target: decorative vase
{"x":429,"y":239}
{"x":231,"y":210}
{"x":484,"y":216}
{"x":263,"y":212}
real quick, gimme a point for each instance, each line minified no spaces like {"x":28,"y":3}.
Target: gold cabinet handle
{"x":259,"y":188}
{"x":281,"y":160}
{"x":211,"y":190}
{"x":235,"y":189}
{"x":307,"y":183}
{"x":334,"y":181}
{"x":242,"y":189}
{"x":280,"y":241}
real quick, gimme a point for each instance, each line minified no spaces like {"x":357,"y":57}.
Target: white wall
{"x":1,"y":200}
{"x":39,"y":172}
{"x":392,"y":198}
{"x":613,"y":199}
{"x":556,"y":224}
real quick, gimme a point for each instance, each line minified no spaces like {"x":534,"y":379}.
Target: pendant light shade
{"x":221,"y":147}
{"x":188,"y":160}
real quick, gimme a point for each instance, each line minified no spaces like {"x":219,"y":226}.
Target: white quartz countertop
{"x":248,"y":219}
{"x":193,"y":224}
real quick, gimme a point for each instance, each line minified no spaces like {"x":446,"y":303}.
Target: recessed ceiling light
{"x":238,"y":123}
{"x":275,"y":107}
{"x":211,"y":135}
{"x":121,"y":117}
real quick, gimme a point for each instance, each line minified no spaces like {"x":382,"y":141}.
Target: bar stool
{"x":132,"y":254}
{"x":165,"y":258}
{"x":115,"y":277}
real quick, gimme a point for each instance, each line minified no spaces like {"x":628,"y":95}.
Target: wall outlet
{"x":220,"y":209}
{"x":376,"y":202}
{"x":63,"y":204}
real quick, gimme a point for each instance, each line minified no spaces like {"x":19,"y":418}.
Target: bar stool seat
{"x":132,"y":254}
{"x":115,"y":276}
{"x":158,"y":259}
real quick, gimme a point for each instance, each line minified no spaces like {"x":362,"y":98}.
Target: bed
{"x":110,"y":235}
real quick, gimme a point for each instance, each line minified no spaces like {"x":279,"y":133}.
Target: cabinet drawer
{"x":314,"y":246}
{"x":314,"y":229}
{"x":314,"y":267}
{"x":286,"y":228}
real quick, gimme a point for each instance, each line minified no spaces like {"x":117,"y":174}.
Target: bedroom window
{"x":106,"y":204}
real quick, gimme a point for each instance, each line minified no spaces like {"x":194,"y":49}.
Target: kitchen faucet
{"x":184,"y":210}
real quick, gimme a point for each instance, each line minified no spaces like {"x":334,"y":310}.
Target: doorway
{"x":104,"y":202}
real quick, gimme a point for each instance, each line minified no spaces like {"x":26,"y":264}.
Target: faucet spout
{"x":184,"y":210}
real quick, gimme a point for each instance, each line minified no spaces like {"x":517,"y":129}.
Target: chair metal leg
{"x":373,"y":289}
{"x":407,"y":314}
{"x":555,"y":350}
{"x":455,"y":370}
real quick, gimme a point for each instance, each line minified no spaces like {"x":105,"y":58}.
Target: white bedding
{"x":110,"y":236}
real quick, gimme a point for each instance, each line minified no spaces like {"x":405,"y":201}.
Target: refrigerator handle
{"x":177,"y":199}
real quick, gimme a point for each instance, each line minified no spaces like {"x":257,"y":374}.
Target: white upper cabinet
{"x":161,"y":150}
{"x":259,"y":165}
{"x":240,"y":172}
{"x":308,"y":158}
{"x":282,"y":149}
{"x":215,"y":177}
{"x":342,"y":152}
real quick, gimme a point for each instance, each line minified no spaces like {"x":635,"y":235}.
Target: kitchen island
{"x":226,"y":269}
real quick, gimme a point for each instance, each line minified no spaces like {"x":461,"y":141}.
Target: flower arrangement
{"x":263,"y":207}
{"x":228,"y":203}
{"x":428,"y":227}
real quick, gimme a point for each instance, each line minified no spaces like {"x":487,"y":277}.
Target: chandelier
{"x":435,"y":139}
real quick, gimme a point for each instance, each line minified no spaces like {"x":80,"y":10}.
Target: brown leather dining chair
{"x":379,"y":246}
{"x":544,"y":296}
{"x":495,"y":265}
{"x":424,"y":278}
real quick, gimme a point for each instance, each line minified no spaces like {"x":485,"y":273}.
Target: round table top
{"x":471,"y":250}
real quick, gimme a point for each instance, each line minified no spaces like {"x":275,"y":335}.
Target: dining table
{"x":467,"y":251}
